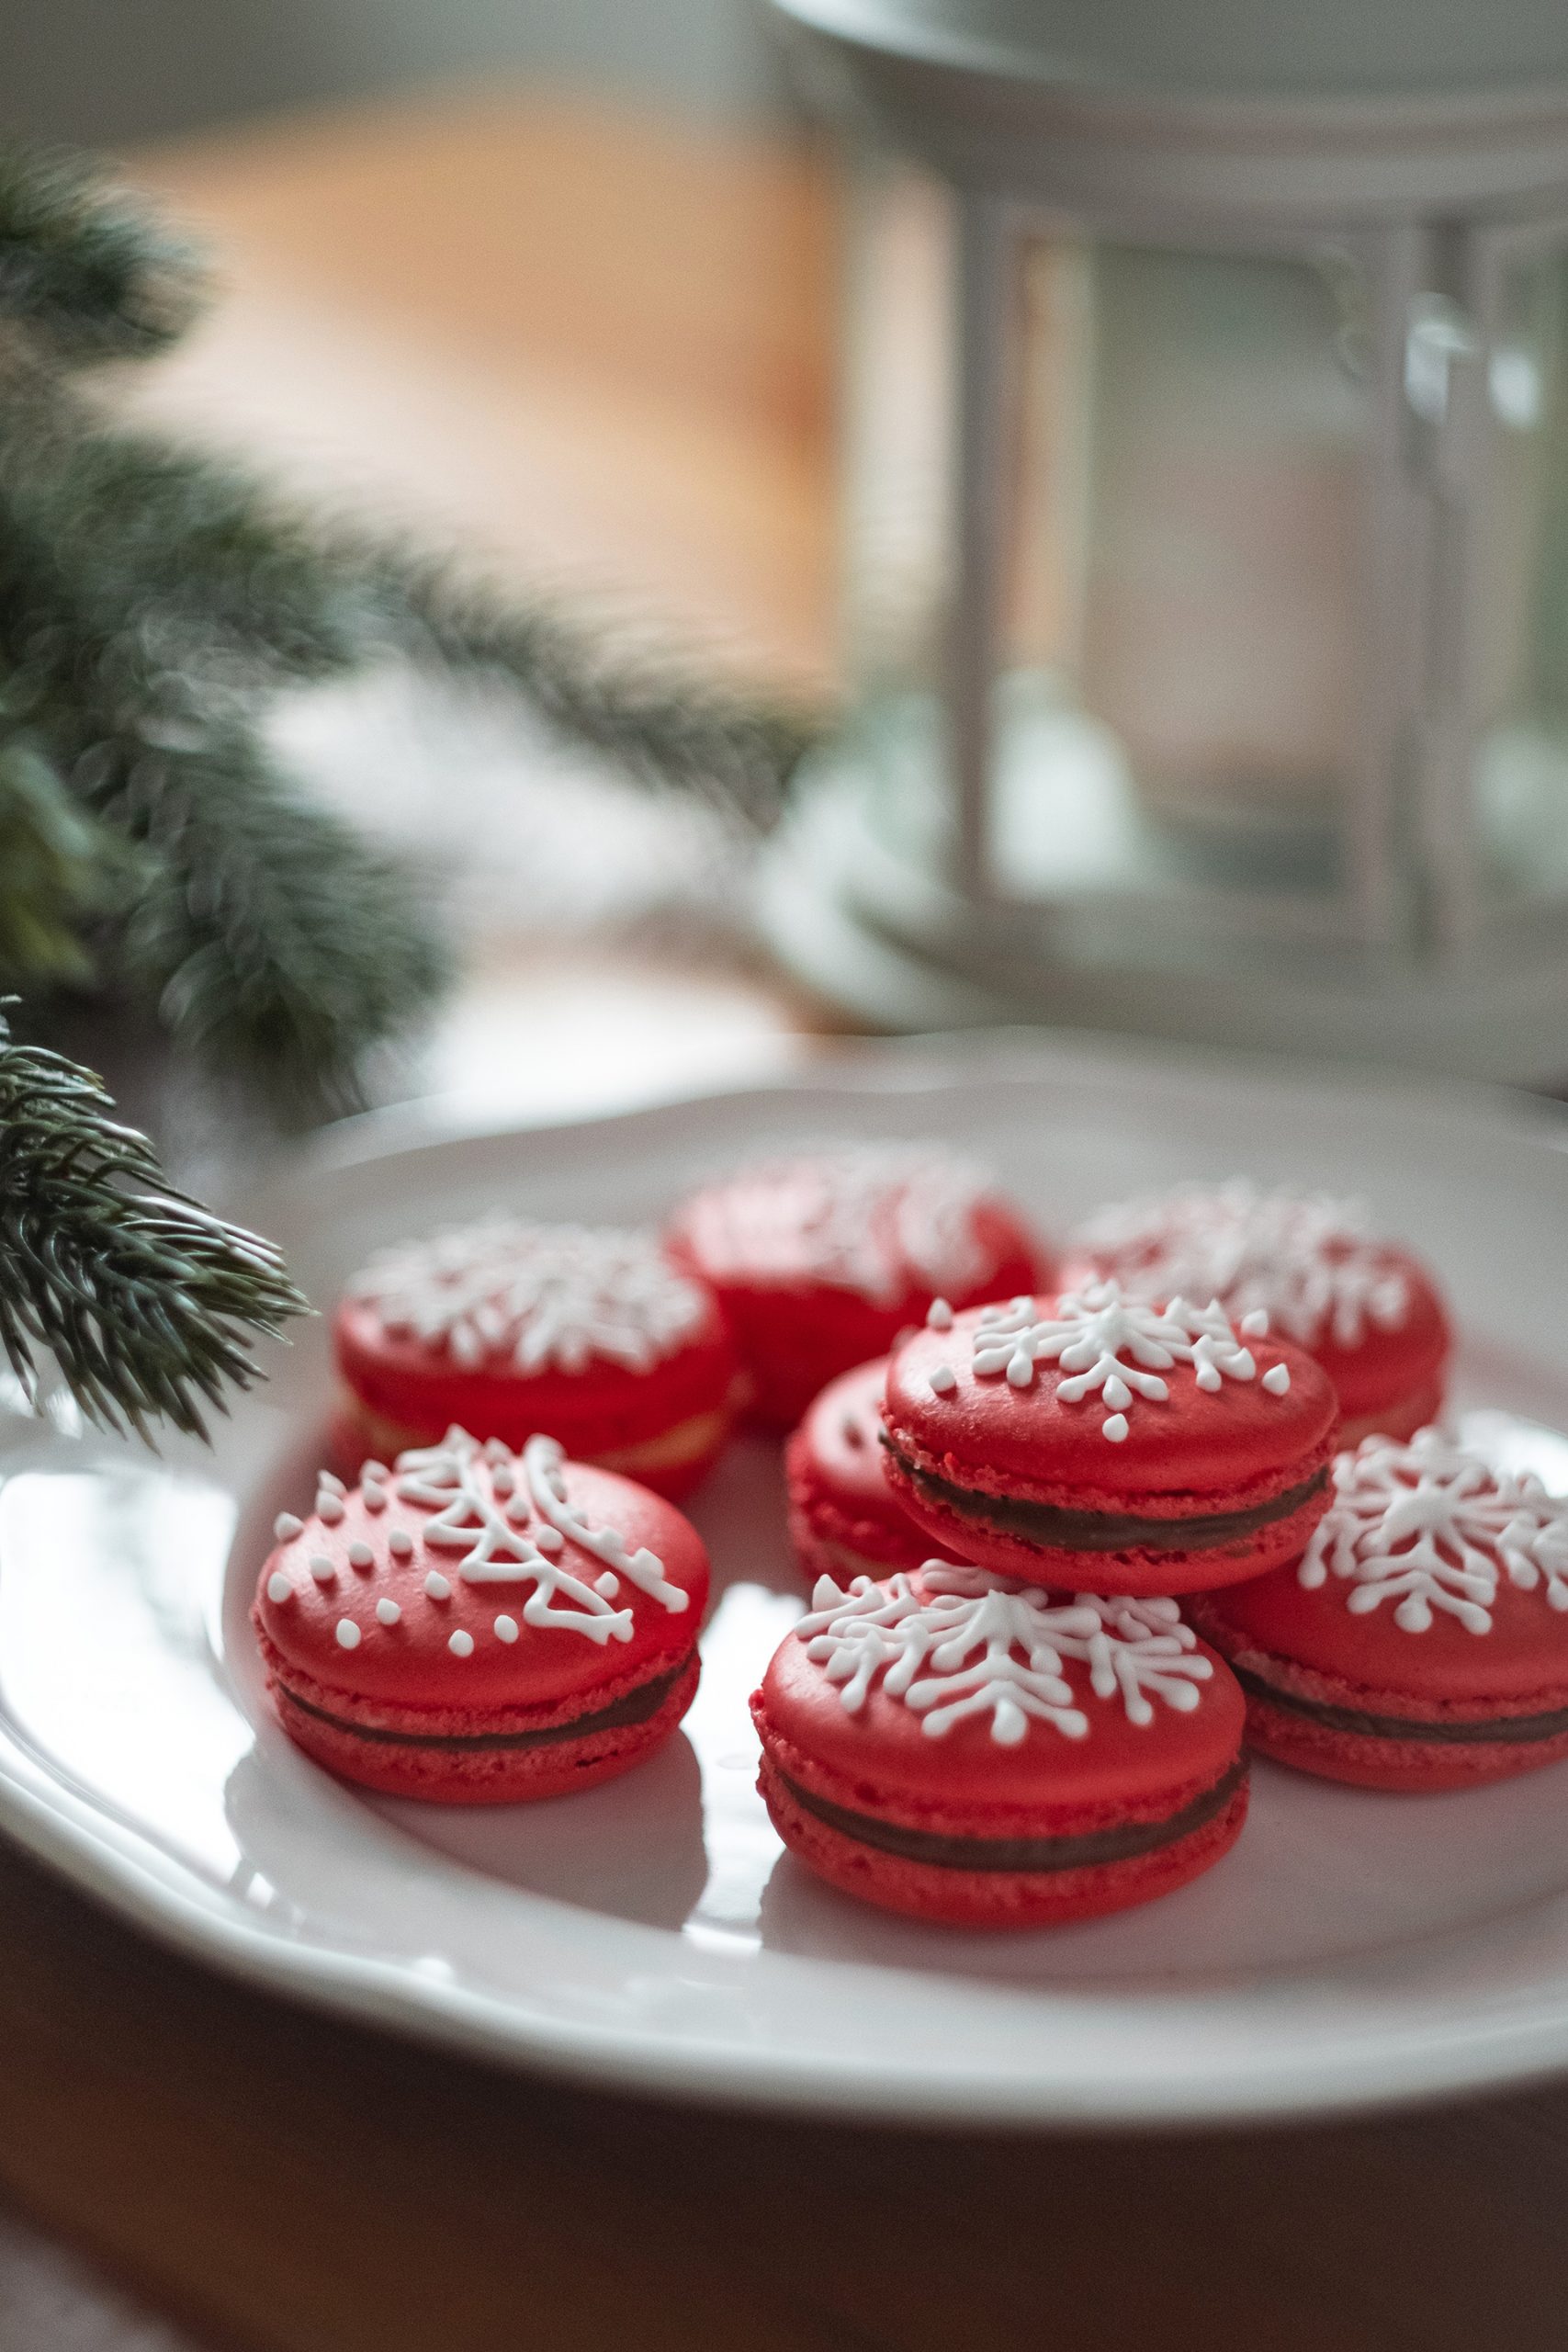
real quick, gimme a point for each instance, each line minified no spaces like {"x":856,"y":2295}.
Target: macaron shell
{"x":1137,"y":1568}
{"x":844,"y":1518}
{"x":995,"y":1898}
{"x":882,"y":1759}
{"x":410,"y":1665}
{"x":796,"y":1331}
{"x":1367,"y":1661}
{"x":495,"y":1775}
{"x":1241,"y":1442}
{"x":604,"y":1406}
{"x":1390,"y":1374}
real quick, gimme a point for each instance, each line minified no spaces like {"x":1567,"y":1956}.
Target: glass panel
{"x":1186,"y":587}
{"x":1518,"y":604}
{"x":1180,"y":697}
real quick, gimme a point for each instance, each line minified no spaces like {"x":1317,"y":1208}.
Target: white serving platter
{"x":1355,"y":1949}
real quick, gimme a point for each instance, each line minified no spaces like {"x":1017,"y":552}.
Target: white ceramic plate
{"x":1354,"y":1950}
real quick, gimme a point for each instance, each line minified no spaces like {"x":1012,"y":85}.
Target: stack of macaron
{"x":1078,"y":1538}
{"x":1249,"y":1487}
{"x":1027,"y":1731}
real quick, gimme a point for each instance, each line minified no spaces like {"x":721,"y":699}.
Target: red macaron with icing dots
{"x":481,"y":1626}
{"x":506,"y":1326}
{"x":1089,"y":1442}
{"x":1367,"y":1310}
{"x":1422,"y":1641}
{"x":945,"y":1747}
{"x":844,"y":1519}
{"x":820,"y":1261}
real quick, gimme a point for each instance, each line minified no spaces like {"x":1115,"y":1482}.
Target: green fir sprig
{"x":152,"y":600}
{"x":144,"y":1300}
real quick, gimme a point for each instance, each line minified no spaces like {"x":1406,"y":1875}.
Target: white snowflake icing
{"x":1308,"y":1262}
{"x":537,"y":1295}
{"x":481,"y":1511}
{"x":1111,"y":1346}
{"x":865,"y":1217}
{"x":957,"y":1644}
{"x":1435,"y":1529}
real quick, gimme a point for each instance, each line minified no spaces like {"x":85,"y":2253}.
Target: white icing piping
{"x":865,"y":1218}
{"x":1307,"y":1261}
{"x":535,"y":1295}
{"x":966,"y":1647}
{"x":1434,"y":1529}
{"x":1113,"y":1347}
{"x":543,"y":1463}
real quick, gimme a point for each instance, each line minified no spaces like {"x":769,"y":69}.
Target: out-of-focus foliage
{"x":151,"y":599}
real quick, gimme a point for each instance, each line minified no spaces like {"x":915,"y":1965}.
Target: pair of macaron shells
{"x":1027,"y":1732}
{"x":481,"y":1626}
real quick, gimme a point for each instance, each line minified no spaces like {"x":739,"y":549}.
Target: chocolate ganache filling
{"x":1120,"y":1844}
{"x":1062,"y":1529}
{"x":1507,"y":1730}
{"x":636,"y":1707}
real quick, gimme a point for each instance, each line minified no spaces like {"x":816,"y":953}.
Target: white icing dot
{"x":506,"y":1629}
{"x":320,"y":1568}
{"x":461,"y":1645}
{"x":1116,"y":1428}
{"x":1207,"y":1376}
{"x":400,"y":1543}
{"x":360,"y":1556}
{"x":939,"y":1315}
{"x":329,"y":1509}
{"x":347,"y":1633}
{"x":1256,"y":1325}
{"x":373,"y":1498}
{"x":517,"y":1509}
{"x":330,"y":1483}
{"x":371,"y":1469}
{"x":1021,"y":1370}
{"x":609,"y":1584}
{"x":550,"y":1539}
{"x":437,"y":1586}
{"x":502,"y":1479}
{"x":278,"y":1587}
{"x":388,"y":1612}
{"x":1278,"y":1380}
{"x":286,"y":1527}
{"x":944,"y":1380}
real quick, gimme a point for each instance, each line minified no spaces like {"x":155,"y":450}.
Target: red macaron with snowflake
{"x":942,"y":1746}
{"x":481,"y":1626}
{"x":820,"y":1261}
{"x":1087,"y":1440}
{"x":1365,"y":1308}
{"x":505,"y":1326}
{"x":1422,"y":1641}
{"x":844,"y":1519}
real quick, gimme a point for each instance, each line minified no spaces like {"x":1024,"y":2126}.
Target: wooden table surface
{"x":603,"y":348}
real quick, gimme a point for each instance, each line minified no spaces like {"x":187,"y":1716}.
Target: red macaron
{"x":480,"y":1626}
{"x":844,"y":1519}
{"x":820,"y":1261}
{"x":1368,"y":1312}
{"x":948,"y":1747}
{"x":1088,"y":1443}
{"x":1422,"y":1643}
{"x":505,"y":1326}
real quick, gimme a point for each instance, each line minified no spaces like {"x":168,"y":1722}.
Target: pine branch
{"x":280,"y":948}
{"x":86,"y":273}
{"x":144,"y":1298}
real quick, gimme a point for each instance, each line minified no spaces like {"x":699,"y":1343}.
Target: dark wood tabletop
{"x":190,"y":2164}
